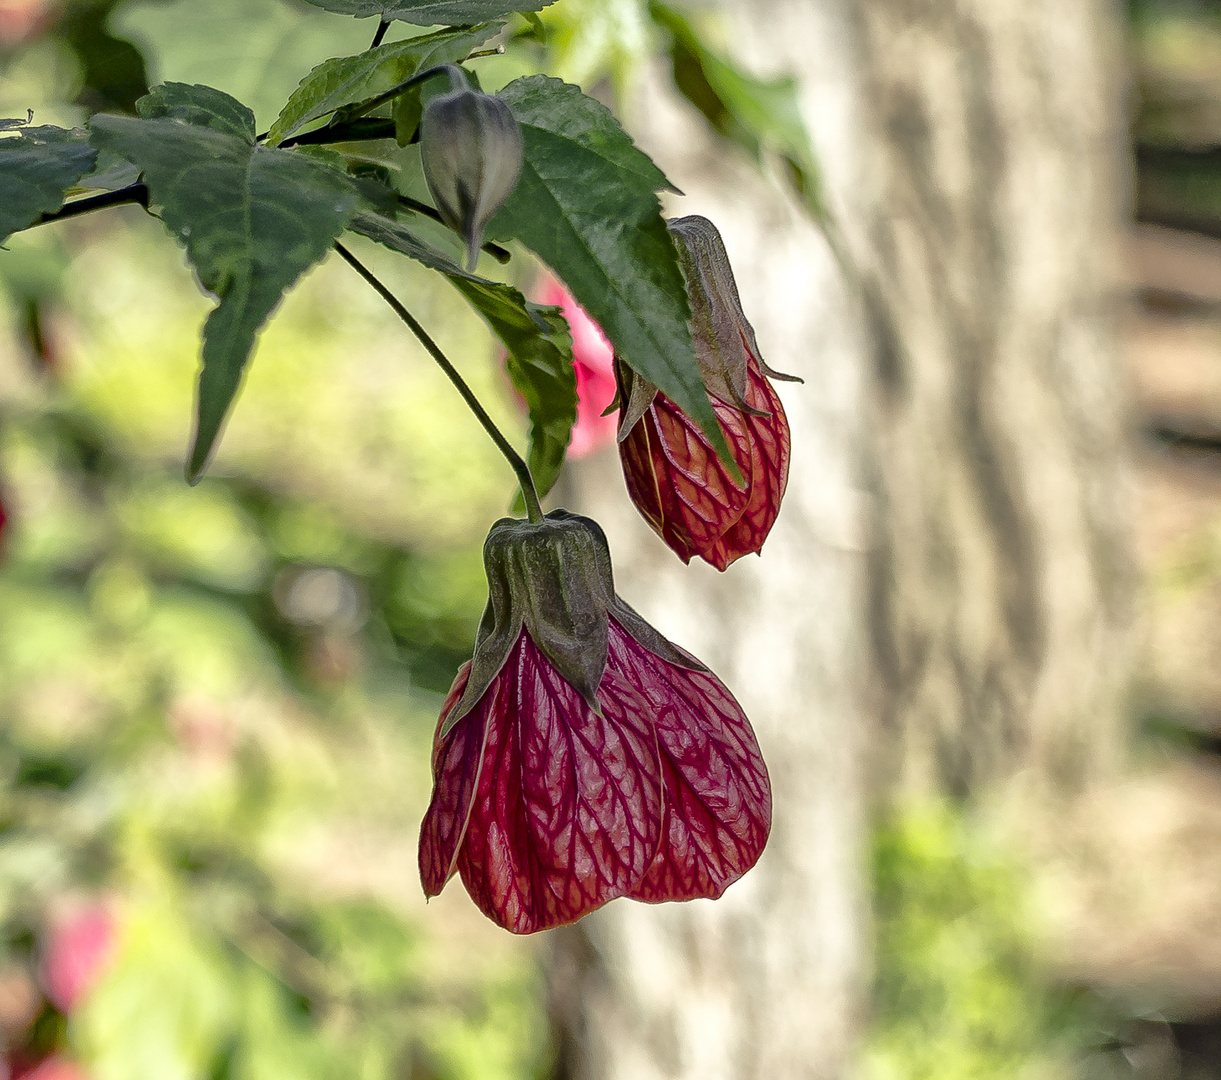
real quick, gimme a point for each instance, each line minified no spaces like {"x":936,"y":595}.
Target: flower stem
{"x":394,"y":91}
{"x":134,"y":193}
{"x":526,"y":482}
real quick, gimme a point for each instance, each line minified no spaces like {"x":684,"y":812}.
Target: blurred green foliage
{"x":202,"y":687}
{"x":216,"y":704}
{"x":958,"y":991}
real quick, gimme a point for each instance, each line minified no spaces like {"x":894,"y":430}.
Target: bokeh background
{"x":217,"y":703}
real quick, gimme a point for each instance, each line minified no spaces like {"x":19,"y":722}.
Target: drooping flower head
{"x":683,"y":490}
{"x":471,"y":150}
{"x":594,"y":361}
{"x":580,"y":756}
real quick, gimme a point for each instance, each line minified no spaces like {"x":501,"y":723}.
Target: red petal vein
{"x":769,"y":452}
{"x":567,"y":812}
{"x":456,"y":761}
{"x":718,"y":804}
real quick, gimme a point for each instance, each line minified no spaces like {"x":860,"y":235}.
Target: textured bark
{"x":971,"y":151}
{"x":1000,"y":580}
{"x":767,"y":981}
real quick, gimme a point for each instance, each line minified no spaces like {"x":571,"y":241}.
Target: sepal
{"x":555,"y":578}
{"x":724,"y":339}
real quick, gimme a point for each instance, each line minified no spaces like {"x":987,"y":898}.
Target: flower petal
{"x":718,"y":801}
{"x":567,"y":812}
{"x":769,"y":449}
{"x":456,"y":761}
{"x":676,"y":480}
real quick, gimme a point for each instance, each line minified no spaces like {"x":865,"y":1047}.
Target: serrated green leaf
{"x":37,"y":167}
{"x":586,"y":205}
{"x":431,"y":12}
{"x":757,"y":114}
{"x":347,"y":80}
{"x":252,"y":219}
{"x":539,"y":363}
{"x":199,"y":105}
{"x":537,"y":338}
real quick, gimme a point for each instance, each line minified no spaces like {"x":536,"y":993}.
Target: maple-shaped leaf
{"x":349,"y":80}
{"x":586,"y":204}
{"x":252,"y":220}
{"x":431,"y":12}
{"x":37,"y":167}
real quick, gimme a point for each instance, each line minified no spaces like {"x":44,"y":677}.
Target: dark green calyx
{"x":553,"y":578}
{"x":725,"y":344}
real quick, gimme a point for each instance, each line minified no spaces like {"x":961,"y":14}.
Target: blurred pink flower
{"x":593,"y":358}
{"x":55,"y":1068}
{"x":79,"y":947}
{"x":20,"y":19}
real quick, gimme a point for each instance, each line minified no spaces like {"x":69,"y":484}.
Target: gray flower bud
{"x":471,"y":148}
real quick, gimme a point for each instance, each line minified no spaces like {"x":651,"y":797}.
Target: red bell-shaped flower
{"x":580,"y":756}
{"x":674,"y":476}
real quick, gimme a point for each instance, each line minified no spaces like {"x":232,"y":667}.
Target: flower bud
{"x":673,"y":474}
{"x":580,"y":756}
{"x":471,"y":150}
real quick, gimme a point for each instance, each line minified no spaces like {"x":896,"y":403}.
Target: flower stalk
{"x":525,"y":481}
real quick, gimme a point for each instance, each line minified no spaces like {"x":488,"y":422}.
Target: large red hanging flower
{"x":682,"y":488}
{"x":580,"y":756}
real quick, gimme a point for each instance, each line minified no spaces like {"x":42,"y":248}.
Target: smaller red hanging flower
{"x":580,"y":756}
{"x":681,"y":487}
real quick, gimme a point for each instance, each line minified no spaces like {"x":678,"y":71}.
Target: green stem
{"x":357,"y":131}
{"x":528,"y":492}
{"x":394,"y":91}
{"x":135,"y":193}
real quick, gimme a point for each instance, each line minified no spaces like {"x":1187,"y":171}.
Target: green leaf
{"x":537,"y":338}
{"x":256,"y":50}
{"x":112,"y":71}
{"x":200,"y":105}
{"x":540,"y":365}
{"x":346,"y":80}
{"x":109,"y":173}
{"x":757,"y":114}
{"x":585,"y":204}
{"x":253,"y":219}
{"x":37,"y":167}
{"x":431,"y":12}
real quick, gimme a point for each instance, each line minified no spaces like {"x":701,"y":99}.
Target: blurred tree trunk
{"x":768,"y":981}
{"x":1000,"y":582}
{"x":970,"y":379}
